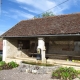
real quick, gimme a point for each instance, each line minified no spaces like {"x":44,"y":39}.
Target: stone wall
{"x":37,"y":69}
{"x":12,"y":49}
{"x":64,"y":48}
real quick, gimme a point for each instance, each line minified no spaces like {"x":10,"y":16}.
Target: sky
{"x":13,"y":11}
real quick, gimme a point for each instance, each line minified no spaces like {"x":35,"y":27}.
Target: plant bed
{"x":65,"y":73}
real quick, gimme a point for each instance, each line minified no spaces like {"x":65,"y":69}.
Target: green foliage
{"x":5,"y":66}
{"x":34,"y":63}
{"x":45,"y":14}
{"x":2,"y":63}
{"x":0,"y":58}
{"x":9,"y":65}
{"x":65,"y":73}
{"x":13,"y":64}
{"x":78,"y":71}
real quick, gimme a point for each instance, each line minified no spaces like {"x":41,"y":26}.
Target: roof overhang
{"x":54,"y":35}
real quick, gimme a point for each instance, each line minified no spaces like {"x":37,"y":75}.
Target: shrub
{"x":5,"y":66}
{"x":9,"y":65}
{"x":13,"y":64}
{"x":65,"y":73}
{"x":2,"y":63}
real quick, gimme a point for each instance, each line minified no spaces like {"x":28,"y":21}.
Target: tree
{"x":45,"y":14}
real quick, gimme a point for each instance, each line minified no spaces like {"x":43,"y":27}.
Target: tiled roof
{"x":62,"y":24}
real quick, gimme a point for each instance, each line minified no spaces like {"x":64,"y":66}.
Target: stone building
{"x":55,"y":37}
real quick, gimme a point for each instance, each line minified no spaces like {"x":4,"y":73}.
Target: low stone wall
{"x":36,"y":69}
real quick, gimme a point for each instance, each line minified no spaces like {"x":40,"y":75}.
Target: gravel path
{"x":14,"y":74}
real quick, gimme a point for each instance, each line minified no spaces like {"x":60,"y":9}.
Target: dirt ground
{"x":14,"y":74}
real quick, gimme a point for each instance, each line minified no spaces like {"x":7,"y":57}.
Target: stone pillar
{"x":41,"y":45}
{"x":4,"y":49}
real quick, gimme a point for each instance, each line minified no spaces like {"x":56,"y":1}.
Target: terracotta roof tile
{"x":63,"y":24}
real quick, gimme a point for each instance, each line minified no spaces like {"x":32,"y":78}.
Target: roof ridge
{"x":52,"y":16}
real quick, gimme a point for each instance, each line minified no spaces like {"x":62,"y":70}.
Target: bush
{"x":2,"y":63}
{"x":5,"y":66}
{"x":0,"y":58}
{"x":13,"y":64}
{"x":65,"y":73}
{"x":9,"y":65}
